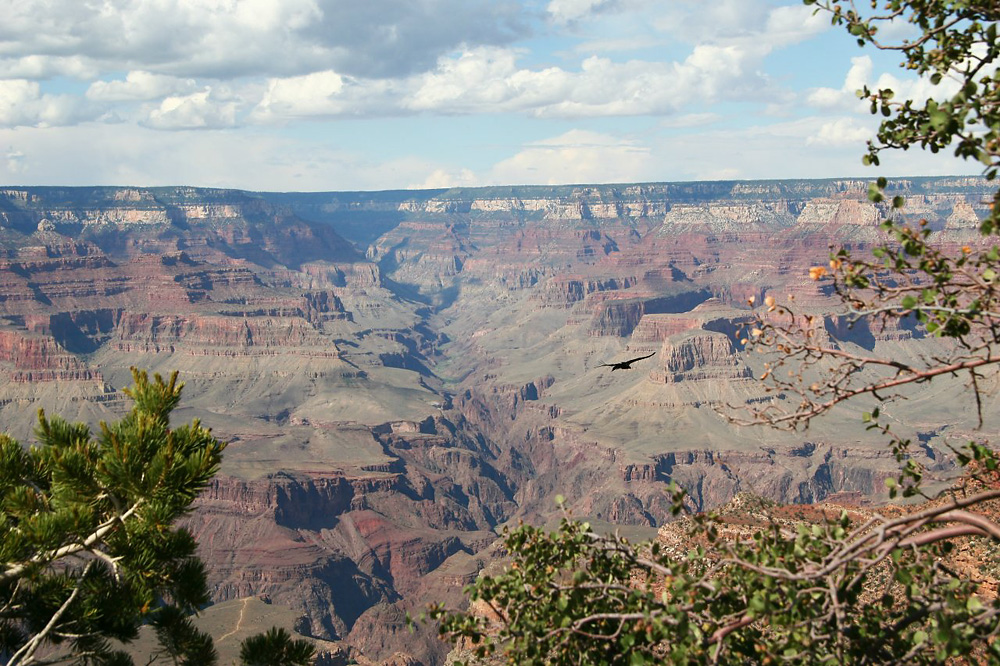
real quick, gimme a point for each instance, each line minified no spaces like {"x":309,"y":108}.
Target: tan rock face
{"x":836,"y":211}
{"x":700,"y":356}
{"x":399,"y":373}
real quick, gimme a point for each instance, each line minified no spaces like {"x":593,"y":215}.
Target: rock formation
{"x":401,"y":373}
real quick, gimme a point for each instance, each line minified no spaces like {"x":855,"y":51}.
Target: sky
{"x":321,"y":95}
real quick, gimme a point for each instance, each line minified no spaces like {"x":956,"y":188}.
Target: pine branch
{"x":16,"y":570}
{"x":25,"y":655}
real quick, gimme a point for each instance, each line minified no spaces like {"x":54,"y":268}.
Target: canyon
{"x":401,"y":374}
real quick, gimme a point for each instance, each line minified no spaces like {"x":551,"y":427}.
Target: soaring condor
{"x":624,"y":365}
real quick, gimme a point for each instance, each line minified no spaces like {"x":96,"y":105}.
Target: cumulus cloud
{"x":578,"y":156}
{"x":749,"y":23}
{"x":309,"y":95}
{"x":841,"y":132}
{"x":489,"y":80}
{"x":732,"y":38}
{"x":335,"y":58}
{"x":792,"y":25}
{"x":22,"y":103}
{"x":140,"y":86}
{"x":37,"y":67}
{"x":394,"y":38}
{"x":198,"y":110}
{"x":845,"y":97}
{"x":325,"y":94}
{"x":862,"y":73}
{"x":205,"y":38}
{"x":442,"y":178}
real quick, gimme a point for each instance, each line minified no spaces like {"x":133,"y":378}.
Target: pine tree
{"x":275,"y":648}
{"x":89,"y":550}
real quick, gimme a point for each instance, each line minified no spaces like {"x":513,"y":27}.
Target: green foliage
{"x":88,"y":550}
{"x":956,"y":48}
{"x":815,"y":594}
{"x":275,"y":648}
{"x":881,"y":590}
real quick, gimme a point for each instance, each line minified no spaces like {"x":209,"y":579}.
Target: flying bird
{"x":624,"y":365}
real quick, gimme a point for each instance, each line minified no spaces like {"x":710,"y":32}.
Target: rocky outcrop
{"x":802,"y":474}
{"x":701,"y":355}
{"x":229,"y":334}
{"x":567,"y":290}
{"x":36,"y":358}
{"x":838,"y":211}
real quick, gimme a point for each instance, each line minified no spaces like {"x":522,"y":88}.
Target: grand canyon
{"x":401,"y":374}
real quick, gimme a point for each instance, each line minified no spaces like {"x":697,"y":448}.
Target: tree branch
{"x":25,"y":655}
{"x":16,"y":570}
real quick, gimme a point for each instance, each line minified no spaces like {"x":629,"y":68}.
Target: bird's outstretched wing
{"x":624,"y":365}
{"x":638,"y":358}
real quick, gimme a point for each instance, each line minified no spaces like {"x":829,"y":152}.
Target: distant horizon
{"x":488,"y":187}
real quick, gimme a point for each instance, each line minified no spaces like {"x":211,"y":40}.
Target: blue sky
{"x":383,"y":94}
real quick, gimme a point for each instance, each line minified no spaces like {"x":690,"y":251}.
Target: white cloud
{"x":858,"y":76}
{"x":792,"y":25}
{"x":140,"y":86}
{"x":37,"y":67}
{"x":15,"y":162}
{"x":227,"y":38}
{"x":309,"y":95}
{"x":842,"y":132}
{"x":567,"y":11}
{"x":575,"y":157}
{"x":731,"y":39}
{"x":861,"y":74}
{"x":751,"y":24}
{"x":331,"y":58}
{"x":198,"y":110}
{"x":23,"y":103}
{"x":489,"y":80}
{"x":326,"y":94}
{"x":442,"y":178}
